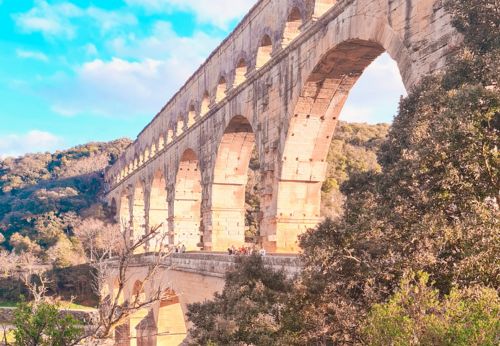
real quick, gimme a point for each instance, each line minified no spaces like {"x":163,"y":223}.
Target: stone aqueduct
{"x":277,"y":84}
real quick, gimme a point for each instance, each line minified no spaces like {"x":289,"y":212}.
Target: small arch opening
{"x":292,"y":26}
{"x":205,"y":104}
{"x":180,"y":125}
{"x":240,"y":72}
{"x":161,"y":143}
{"x":221,"y":89}
{"x":170,"y":136}
{"x":322,"y":6}
{"x":191,"y":115}
{"x":264,"y":52}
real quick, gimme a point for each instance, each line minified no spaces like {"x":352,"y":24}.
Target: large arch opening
{"x":124,"y":217}
{"x":138,"y":215}
{"x":187,"y":203}
{"x":292,"y":26}
{"x":158,"y":208}
{"x":231,"y":172}
{"x":309,"y":135}
{"x":264,"y":51}
{"x":113,"y":210}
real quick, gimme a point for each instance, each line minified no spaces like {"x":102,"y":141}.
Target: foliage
{"x":248,"y":311}
{"x":434,"y":204}
{"x":416,"y":315}
{"x":43,"y":324}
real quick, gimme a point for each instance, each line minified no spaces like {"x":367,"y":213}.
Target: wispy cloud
{"x":60,"y":20}
{"x":33,"y":141}
{"x":28,"y":54}
{"x":138,"y":83}
{"x":219,"y":13}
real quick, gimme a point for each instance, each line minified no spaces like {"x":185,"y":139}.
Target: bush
{"x":43,"y":325}
{"x":416,"y":315}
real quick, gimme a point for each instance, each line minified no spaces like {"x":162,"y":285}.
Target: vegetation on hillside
{"x":432,"y":208}
{"x":44,"y":197}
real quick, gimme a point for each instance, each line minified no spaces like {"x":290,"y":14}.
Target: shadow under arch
{"x":310,"y":130}
{"x":187,"y":203}
{"x":230,"y":178}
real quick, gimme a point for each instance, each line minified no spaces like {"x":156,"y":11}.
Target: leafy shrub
{"x":416,"y":315}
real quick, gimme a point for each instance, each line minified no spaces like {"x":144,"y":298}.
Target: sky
{"x":76,"y":71}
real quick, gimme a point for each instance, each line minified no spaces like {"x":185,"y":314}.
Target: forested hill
{"x":43,"y":197}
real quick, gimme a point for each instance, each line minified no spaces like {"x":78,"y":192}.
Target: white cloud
{"x":33,"y":141}
{"x":155,"y":67}
{"x":60,"y":20}
{"x":27,"y":54}
{"x":217,"y":12}
{"x":375,"y":97}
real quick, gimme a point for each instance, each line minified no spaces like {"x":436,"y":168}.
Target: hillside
{"x":44,"y":197}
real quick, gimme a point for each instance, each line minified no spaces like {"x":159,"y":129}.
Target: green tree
{"x":248,"y":311}
{"x":44,"y":325}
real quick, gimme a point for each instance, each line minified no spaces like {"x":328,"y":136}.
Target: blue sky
{"x":74,"y":71}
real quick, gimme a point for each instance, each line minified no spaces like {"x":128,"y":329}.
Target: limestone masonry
{"x":277,"y":84}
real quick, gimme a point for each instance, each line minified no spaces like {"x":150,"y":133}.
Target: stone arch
{"x":205,"y":104}
{"x":170,"y":134}
{"x":138,"y":214}
{"x":180,"y":125}
{"x":292,"y":26}
{"x":264,"y":51}
{"x":240,"y":71}
{"x":152,"y":149}
{"x":229,"y":183}
{"x":187,"y":202}
{"x":161,"y":143}
{"x":309,"y":133}
{"x":221,"y":91}
{"x":124,"y":217}
{"x":191,"y":115}
{"x":322,"y":6}
{"x":113,"y":209}
{"x":158,"y":206}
